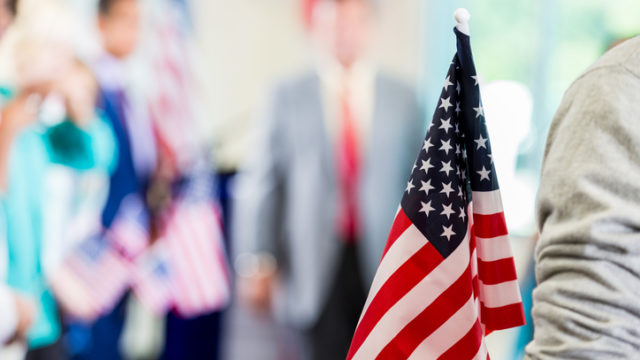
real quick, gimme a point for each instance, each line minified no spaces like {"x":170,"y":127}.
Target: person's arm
{"x":15,"y":116}
{"x":258,"y":208}
{"x":586,"y":304}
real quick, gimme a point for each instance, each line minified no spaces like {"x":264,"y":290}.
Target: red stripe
{"x":178,"y":261}
{"x":497,"y":271}
{"x":503,"y":317}
{"x":467,"y":347}
{"x":400,"y":224}
{"x":408,"y":275}
{"x":183,"y":241}
{"x":490,"y":226}
{"x":476,"y":285}
{"x":430,"y":319}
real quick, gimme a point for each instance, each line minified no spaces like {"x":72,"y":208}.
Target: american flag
{"x":152,"y":282}
{"x":129,"y":232}
{"x":447,"y":276}
{"x":195,"y":247}
{"x":101,"y":270}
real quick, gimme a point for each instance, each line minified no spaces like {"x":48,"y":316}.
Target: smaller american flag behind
{"x":129,"y":232}
{"x":195,"y":248}
{"x":100,"y":269}
{"x":447,"y":277}
{"x":152,"y":281}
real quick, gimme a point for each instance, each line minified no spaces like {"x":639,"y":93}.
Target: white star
{"x":447,"y":210}
{"x":447,"y":83}
{"x":426,"y":187}
{"x":426,"y":165}
{"x":445,"y":104}
{"x":447,"y":232}
{"x":426,"y":208}
{"x":479,"y":111}
{"x":410,"y":186}
{"x":457,"y":129}
{"x":446,"y":146}
{"x":446,"y":125}
{"x":475,"y":78}
{"x":427,"y":145}
{"x":458,"y":87}
{"x":458,"y":171}
{"x":481,"y":142}
{"x":446,"y":167}
{"x":446,"y":189}
{"x":484,"y":174}
{"x":458,"y":108}
{"x":457,"y":149}
{"x":460,"y":194}
{"x":462,"y":214}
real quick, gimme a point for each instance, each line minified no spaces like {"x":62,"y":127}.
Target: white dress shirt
{"x":359,"y":82}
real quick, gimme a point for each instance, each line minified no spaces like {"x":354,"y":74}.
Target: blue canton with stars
{"x":455,"y":158}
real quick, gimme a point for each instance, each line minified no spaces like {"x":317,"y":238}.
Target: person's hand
{"x":21,"y":112}
{"x":26,"y":311}
{"x":256,"y":291}
{"x":256,"y":281}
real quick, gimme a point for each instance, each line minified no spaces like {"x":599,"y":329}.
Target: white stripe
{"x":501,"y":294}
{"x":201,"y":225}
{"x":492,"y":249}
{"x":405,"y":246}
{"x":183,"y":292}
{"x":482,"y":352}
{"x":186,"y":239}
{"x":415,"y":301}
{"x":487,"y":202}
{"x":448,"y":334}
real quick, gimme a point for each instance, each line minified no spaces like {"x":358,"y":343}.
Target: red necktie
{"x":348,"y":173}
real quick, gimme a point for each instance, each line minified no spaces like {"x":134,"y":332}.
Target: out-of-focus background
{"x":219,"y":60}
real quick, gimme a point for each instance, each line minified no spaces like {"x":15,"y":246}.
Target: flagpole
{"x":462,"y":18}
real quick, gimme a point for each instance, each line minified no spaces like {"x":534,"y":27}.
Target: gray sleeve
{"x":258,"y":192}
{"x":587,"y":302}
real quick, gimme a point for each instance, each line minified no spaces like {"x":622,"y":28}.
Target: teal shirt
{"x":33,"y":151}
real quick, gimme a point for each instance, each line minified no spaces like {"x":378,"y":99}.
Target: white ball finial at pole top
{"x":462,"y":17}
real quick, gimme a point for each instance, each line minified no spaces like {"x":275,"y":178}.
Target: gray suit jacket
{"x":587,"y":303}
{"x":286,"y":196}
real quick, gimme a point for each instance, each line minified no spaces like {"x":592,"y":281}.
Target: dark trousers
{"x":330,"y":338}
{"x":55,"y":351}
{"x":192,"y":339}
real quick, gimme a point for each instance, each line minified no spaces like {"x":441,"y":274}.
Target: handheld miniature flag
{"x":447,"y":276}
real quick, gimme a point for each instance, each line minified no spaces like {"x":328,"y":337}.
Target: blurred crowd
{"x":118,"y":239}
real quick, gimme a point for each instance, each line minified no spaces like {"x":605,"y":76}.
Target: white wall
{"x":247,"y":44}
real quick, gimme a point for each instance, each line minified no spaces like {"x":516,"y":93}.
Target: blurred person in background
{"x":16,"y":312}
{"x":587,"y":301}
{"x":119,"y":27}
{"x":36,"y":143}
{"x":316,"y":198}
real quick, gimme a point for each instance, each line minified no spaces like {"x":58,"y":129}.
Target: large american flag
{"x":447,"y":276}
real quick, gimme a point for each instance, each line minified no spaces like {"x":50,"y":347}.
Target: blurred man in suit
{"x":317,"y":197}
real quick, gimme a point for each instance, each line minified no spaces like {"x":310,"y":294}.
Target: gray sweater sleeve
{"x":587,"y":302}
